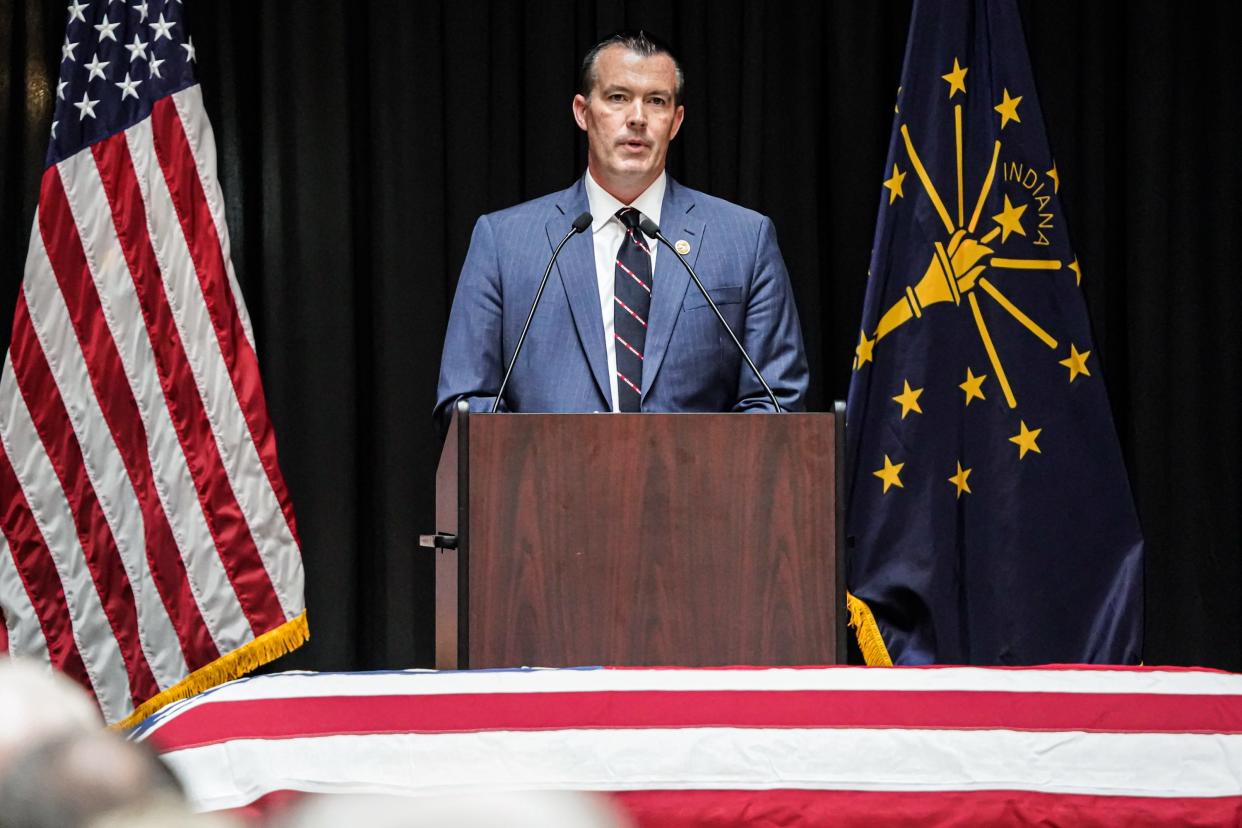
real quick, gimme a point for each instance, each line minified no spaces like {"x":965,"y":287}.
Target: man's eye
{"x":617,"y":98}
{"x":656,"y":101}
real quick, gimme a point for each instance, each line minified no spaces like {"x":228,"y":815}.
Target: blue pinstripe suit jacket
{"x":690,"y":364}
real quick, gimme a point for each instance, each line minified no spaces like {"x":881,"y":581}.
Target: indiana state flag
{"x":990,"y":517}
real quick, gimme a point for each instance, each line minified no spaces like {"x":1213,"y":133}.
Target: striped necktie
{"x":631,"y":304}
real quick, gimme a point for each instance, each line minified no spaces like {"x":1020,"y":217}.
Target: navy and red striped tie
{"x":631,"y":304}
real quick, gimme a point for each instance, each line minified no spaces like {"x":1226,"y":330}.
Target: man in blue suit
{"x":620,"y":327}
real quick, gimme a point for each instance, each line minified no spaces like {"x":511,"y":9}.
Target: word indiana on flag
{"x":989,"y":514}
{"x":149,"y":548}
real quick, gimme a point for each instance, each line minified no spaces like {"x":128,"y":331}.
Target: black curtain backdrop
{"x":359,"y":141}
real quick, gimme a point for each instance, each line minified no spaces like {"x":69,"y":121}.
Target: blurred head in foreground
{"x":74,"y":779}
{"x":37,"y":704}
{"x":59,"y":766}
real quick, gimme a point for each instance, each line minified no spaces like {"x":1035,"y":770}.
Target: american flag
{"x":149,"y":548}
{"x":734,"y":746}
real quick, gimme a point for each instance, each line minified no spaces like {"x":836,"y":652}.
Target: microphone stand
{"x":653,"y":230}
{"x":581,"y":223}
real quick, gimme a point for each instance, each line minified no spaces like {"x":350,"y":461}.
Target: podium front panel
{"x":642,"y":539}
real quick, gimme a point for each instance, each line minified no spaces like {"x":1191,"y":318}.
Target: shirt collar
{"x":604,"y":207}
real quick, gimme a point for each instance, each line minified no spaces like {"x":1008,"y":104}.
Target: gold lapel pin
{"x":682,"y":246}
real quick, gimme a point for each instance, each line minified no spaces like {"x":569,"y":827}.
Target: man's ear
{"x":678,"y":116}
{"x":580,"y":105}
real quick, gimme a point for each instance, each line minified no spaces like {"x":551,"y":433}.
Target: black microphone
{"x":653,"y":230}
{"x":581,"y":223}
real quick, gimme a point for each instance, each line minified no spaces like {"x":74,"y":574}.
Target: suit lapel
{"x":670,"y":279}
{"x":576,"y":268}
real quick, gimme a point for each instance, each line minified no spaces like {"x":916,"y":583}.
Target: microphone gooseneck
{"x":653,"y":230}
{"x":581,"y":223}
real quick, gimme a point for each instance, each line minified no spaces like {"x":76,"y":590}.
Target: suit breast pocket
{"x":704,"y":323}
{"x":727,"y":295}
{"x":700,"y":331}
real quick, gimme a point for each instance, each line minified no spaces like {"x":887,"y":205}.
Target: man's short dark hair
{"x":640,"y":43}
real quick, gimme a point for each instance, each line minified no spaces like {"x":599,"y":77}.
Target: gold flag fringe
{"x":868,"y":633}
{"x":267,"y":647}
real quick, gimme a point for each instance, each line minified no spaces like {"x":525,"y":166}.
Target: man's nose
{"x":637,"y":115}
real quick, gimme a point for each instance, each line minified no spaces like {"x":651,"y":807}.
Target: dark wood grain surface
{"x":451,"y":588}
{"x":648,"y":539}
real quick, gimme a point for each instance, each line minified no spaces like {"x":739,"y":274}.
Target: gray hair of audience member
{"x":638,"y":42}
{"x":485,"y":809}
{"x":37,"y":703}
{"x":69,"y":781}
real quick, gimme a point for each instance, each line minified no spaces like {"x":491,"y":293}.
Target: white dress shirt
{"x":607,"y":232}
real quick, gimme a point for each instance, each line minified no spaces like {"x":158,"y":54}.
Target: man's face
{"x":629,"y":119}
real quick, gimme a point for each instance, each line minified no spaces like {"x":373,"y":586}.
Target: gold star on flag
{"x":1056,"y":178}
{"x":1077,"y":272}
{"x":1076,"y":363}
{"x":956,"y":79}
{"x":890,"y":474}
{"x":1008,"y":109}
{"x":894,"y":185}
{"x":973,"y":386}
{"x":909,"y":399}
{"x":1025,"y":440}
{"x":959,"y":480}
{"x":1009,"y":220}
{"x":863,"y":352}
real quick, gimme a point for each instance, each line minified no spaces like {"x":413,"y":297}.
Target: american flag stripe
{"x":1093,"y":740}
{"x":137,"y":201}
{"x":946,"y":809}
{"x":1178,"y":681}
{"x":74,"y":209}
{"x":40,"y":524}
{"x":97,"y":431}
{"x":197,"y":592}
{"x":476,"y":712}
{"x":214,"y":366}
{"x":240,"y":363}
{"x":1152,"y":765}
{"x":28,"y":561}
{"x":150,"y":547}
{"x":64,"y":443}
{"x":202,"y":144}
{"x":105,"y":386}
{"x":21,"y":622}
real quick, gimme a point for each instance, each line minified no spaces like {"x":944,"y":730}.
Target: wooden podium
{"x":638,"y":539}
